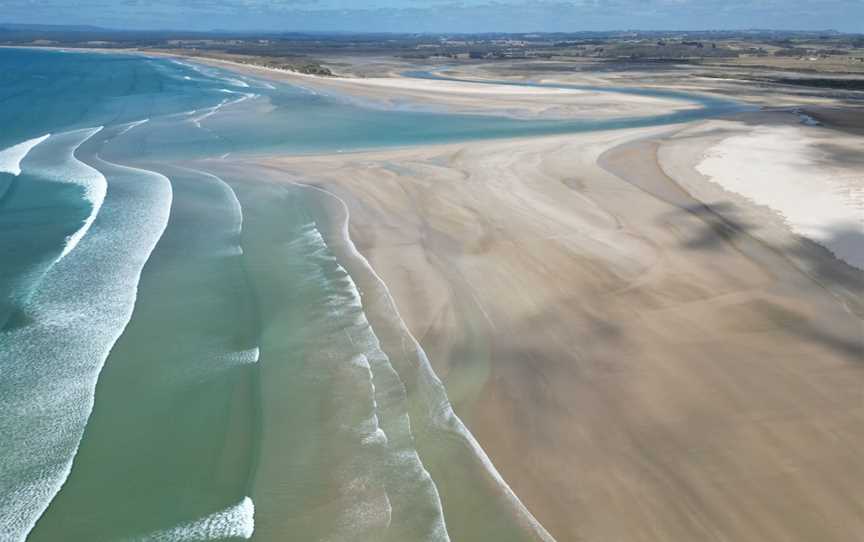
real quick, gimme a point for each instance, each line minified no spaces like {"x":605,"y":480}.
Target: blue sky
{"x":442,"y":15}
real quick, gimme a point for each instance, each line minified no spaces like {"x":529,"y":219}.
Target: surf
{"x":183,"y":402}
{"x":235,"y":522}
{"x":11,"y":158}
{"x":53,"y":357}
{"x":432,"y":412}
{"x":56,"y":161}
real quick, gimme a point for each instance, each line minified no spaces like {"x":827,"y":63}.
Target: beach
{"x":480,"y":97}
{"x":417,"y":308}
{"x":642,"y":353}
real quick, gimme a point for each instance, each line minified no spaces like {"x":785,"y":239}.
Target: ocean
{"x":184,"y":356}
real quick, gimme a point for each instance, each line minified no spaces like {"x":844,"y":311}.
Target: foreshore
{"x":470,"y":98}
{"x":642,"y":354}
{"x":373,"y":323}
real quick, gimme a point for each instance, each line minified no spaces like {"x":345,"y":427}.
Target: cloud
{"x":443,"y":15}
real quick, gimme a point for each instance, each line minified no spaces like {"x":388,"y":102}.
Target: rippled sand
{"x":642,"y":358}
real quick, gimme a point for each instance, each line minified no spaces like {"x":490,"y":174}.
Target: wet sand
{"x":643,"y":354}
{"x":637,"y":364}
{"x":471,"y":97}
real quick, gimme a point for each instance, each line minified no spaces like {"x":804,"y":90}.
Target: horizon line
{"x":84,"y":28}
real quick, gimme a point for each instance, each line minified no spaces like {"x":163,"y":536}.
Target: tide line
{"x":440,"y":410}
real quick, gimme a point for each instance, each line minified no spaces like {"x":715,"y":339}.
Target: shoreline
{"x":616,"y":268}
{"x":667,"y":279}
{"x":628,"y":342}
{"x":465,"y":97}
{"x":432,"y":418}
{"x":383,"y":313}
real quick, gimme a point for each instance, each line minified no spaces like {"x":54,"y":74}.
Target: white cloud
{"x":444,"y":15}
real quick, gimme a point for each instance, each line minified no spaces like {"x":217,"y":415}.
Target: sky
{"x":442,"y":15}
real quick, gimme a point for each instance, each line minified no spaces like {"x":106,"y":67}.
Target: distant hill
{"x":18,"y":27}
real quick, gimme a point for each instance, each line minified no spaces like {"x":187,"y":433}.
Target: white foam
{"x":238,"y":82}
{"x":95,"y":187}
{"x":779,"y":167}
{"x":237,"y":521}
{"x":243,"y":357}
{"x":236,"y":208}
{"x":370,"y":510}
{"x":52,"y":364}
{"x":360,"y":360}
{"x":431,"y":390}
{"x":383,"y":480}
{"x":210,"y":111}
{"x":377,"y":437}
{"x":131,"y":126}
{"x":63,"y":167}
{"x":215,"y":74}
{"x":11,"y":158}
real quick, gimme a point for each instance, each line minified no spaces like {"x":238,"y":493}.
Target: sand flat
{"x":644,"y":355}
{"x":637,"y":365}
{"x":787,"y":172}
{"x":468,"y":97}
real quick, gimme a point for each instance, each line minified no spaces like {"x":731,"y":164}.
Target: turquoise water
{"x":182,"y":355}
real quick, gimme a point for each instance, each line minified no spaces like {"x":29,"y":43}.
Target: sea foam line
{"x":365,"y":494}
{"x":214,"y":73}
{"x":132,"y":125}
{"x":73,"y":171}
{"x":443,"y":413}
{"x":11,"y":158}
{"x":374,"y":431}
{"x":237,"y":82}
{"x":85,"y":303}
{"x":95,"y":187}
{"x":236,"y":208}
{"x":210,"y":111}
{"x":238,"y":521}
